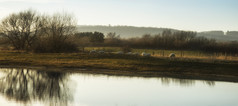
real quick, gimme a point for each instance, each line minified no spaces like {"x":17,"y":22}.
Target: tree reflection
{"x":23,"y":85}
{"x":183,"y":82}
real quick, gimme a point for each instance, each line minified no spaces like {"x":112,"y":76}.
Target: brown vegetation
{"x":124,"y":65}
{"x":27,"y":30}
{"x":168,"y":40}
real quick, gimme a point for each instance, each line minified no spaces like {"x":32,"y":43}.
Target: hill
{"x":123,"y":31}
{"x":131,"y":31}
{"x":220,"y":35}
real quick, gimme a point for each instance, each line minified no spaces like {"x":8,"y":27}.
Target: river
{"x":25,"y":87}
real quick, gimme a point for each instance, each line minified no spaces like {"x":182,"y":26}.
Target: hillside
{"x":123,"y":31}
{"x":131,"y":31}
{"x":220,"y":35}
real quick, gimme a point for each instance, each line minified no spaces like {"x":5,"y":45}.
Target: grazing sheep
{"x":92,"y":51}
{"x":101,"y":52}
{"x":129,"y":53}
{"x":119,"y":52}
{"x":172,"y":55}
{"x":145,"y":54}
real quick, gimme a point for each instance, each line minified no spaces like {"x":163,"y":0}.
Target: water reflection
{"x":23,"y":85}
{"x":183,"y":82}
{"x":166,"y":81}
{"x":33,"y":87}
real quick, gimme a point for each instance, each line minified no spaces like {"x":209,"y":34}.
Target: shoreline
{"x":144,"y":74}
{"x":122,"y":65}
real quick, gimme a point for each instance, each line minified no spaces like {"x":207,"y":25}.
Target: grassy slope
{"x":125,"y":65}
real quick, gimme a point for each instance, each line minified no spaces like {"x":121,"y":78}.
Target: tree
{"x":112,"y":39}
{"x":94,"y":37}
{"x":21,"y":28}
{"x":97,"y":37}
{"x":112,"y":35}
{"x":83,"y":34}
{"x":27,"y":30}
{"x":57,"y":30}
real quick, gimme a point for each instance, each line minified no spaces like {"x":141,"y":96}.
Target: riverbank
{"x":123,"y":65}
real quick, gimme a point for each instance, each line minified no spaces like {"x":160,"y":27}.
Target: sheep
{"x":101,"y":52}
{"x":119,"y":52}
{"x":172,"y":55}
{"x":92,"y":51}
{"x":129,"y":53}
{"x":145,"y":54}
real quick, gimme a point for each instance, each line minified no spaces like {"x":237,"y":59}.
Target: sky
{"x":193,"y":15}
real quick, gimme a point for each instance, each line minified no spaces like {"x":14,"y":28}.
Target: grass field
{"x":179,"y":53}
{"x":109,"y":63}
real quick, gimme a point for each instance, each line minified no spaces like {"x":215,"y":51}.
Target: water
{"x":22,"y":87}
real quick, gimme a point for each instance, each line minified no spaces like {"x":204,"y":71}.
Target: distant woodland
{"x":168,"y":40}
{"x":131,"y":31}
{"x":30,"y":31}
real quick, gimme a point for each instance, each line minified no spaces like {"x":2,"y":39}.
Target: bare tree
{"x":112,"y":39}
{"x":56,"y":32}
{"x":21,"y":28}
{"x":60,"y":26}
{"x":28,"y":30}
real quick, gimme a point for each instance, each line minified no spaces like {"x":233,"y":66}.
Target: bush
{"x":46,"y":46}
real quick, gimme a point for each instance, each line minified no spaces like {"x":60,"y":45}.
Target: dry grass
{"x":179,"y":54}
{"x":125,"y":64}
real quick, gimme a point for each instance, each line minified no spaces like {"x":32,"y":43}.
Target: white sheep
{"x":101,"y":52}
{"x":172,"y":55}
{"x":119,"y":52}
{"x":129,"y":53}
{"x":92,"y":51}
{"x":145,"y":54}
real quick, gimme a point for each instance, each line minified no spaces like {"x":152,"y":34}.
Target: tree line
{"x":31,"y":31}
{"x":168,"y":40}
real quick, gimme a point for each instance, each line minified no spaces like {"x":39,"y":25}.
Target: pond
{"x":40,"y":88}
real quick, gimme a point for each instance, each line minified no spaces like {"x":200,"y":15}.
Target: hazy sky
{"x":197,"y":15}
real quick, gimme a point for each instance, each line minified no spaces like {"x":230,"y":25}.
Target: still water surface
{"x":23,"y":87}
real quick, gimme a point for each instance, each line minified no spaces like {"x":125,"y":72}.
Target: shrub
{"x":46,"y":46}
